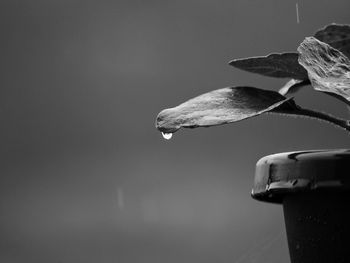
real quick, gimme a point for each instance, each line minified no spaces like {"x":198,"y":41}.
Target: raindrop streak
{"x":120,"y":198}
{"x":167,"y":136}
{"x":297,"y":10}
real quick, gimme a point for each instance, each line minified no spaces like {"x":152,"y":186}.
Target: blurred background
{"x":86,"y":177}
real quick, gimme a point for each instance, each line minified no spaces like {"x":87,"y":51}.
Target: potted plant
{"x":313,"y":186}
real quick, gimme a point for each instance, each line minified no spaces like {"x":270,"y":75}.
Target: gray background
{"x":85,"y":176}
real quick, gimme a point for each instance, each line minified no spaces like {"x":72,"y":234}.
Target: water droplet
{"x":167,"y":136}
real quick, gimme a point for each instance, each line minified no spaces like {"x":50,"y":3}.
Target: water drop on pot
{"x":167,"y":136}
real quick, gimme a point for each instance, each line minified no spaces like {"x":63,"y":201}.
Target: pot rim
{"x":286,"y":173}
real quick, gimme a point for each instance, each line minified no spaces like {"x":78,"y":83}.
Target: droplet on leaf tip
{"x":167,"y":136}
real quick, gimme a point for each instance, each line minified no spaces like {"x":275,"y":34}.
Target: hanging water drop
{"x":167,"y":136}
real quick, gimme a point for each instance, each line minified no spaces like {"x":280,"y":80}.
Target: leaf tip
{"x":232,"y":62}
{"x":165,"y":123}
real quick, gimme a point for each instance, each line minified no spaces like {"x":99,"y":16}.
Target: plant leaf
{"x":222,"y":106}
{"x":292,"y":86}
{"x":283,"y":65}
{"x":328,"y":68}
{"x":337,"y":36}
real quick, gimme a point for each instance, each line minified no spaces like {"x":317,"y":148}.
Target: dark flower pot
{"x":314,"y":188}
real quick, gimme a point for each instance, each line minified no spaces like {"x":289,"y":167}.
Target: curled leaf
{"x":284,"y":65}
{"x":328,"y":68}
{"x":222,"y":106}
{"x":337,"y":36}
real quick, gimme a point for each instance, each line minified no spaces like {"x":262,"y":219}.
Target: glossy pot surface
{"x":314,"y":188}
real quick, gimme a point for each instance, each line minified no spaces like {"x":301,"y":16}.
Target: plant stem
{"x":344,"y":124}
